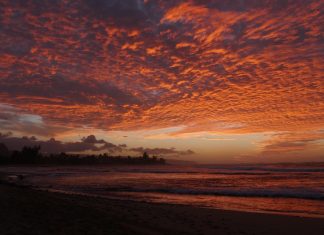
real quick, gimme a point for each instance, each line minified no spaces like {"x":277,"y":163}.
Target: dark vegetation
{"x":32,"y":155}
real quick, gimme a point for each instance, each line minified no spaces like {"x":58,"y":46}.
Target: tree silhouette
{"x":32,"y":155}
{"x":145,"y":156}
{"x":4,"y":153}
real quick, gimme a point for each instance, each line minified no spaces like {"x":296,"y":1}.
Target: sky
{"x":205,"y":80}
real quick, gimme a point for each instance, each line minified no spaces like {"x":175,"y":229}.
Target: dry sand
{"x":28,"y":211}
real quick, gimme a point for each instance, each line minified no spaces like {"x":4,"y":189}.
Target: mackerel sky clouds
{"x":210,"y":79}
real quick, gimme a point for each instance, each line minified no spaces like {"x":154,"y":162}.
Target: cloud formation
{"x":162,"y":151}
{"x":89,"y":143}
{"x":14,"y":119}
{"x":292,"y":142}
{"x":223,"y":66}
{"x":86,"y":144}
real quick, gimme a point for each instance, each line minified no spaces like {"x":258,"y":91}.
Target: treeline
{"x":32,"y":155}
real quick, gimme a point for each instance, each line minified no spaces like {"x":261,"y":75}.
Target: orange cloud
{"x":208,"y":65}
{"x":293,"y":143}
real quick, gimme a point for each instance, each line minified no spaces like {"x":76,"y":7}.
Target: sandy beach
{"x":28,"y":211}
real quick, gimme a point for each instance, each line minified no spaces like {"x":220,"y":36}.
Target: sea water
{"x":282,"y":189}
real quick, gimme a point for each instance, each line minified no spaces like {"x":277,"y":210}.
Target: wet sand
{"x":28,"y":211}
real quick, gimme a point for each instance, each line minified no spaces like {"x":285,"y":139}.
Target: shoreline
{"x":115,"y":198}
{"x":18,"y":179}
{"x":39,"y":211}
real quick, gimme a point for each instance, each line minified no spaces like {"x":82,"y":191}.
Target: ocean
{"x":291,"y":189}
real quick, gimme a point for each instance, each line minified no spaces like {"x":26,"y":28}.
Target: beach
{"x":28,"y":211}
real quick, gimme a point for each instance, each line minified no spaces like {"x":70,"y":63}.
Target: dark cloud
{"x":126,"y":13}
{"x":20,"y":46}
{"x":89,"y":143}
{"x":73,"y":91}
{"x":248,"y":5}
{"x":14,"y":119}
{"x":162,"y":151}
{"x":91,"y":139}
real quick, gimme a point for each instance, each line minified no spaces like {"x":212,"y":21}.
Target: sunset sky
{"x":224,"y":81}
